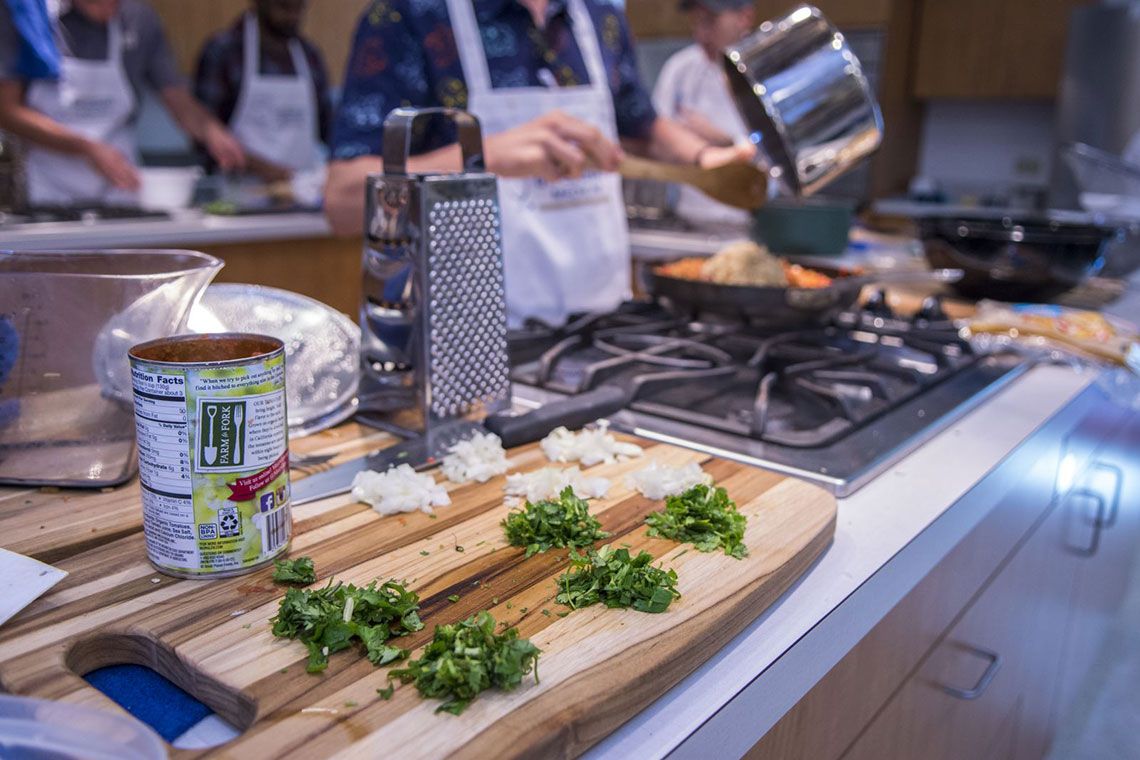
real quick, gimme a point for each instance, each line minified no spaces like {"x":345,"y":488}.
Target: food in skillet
{"x":745,"y":263}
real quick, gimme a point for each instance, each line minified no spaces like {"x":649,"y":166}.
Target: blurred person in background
{"x":693,"y":90}
{"x":270,"y":86}
{"x":556,"y":87}
{"x":79,"y":127}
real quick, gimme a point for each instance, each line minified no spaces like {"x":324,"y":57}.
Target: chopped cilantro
{"x":387,"y":692}
{"x":328,"y":619}
{"x":612,"y":577}
{"x":468,"y":657}
{"x":565,"y":521}
{"x":703,"y":516}
{"x":298,"y":570}
{"x":453,"y":598}
{"x":350,"y":703}
{"x":424,"y":553}
{"x":546,"y":612}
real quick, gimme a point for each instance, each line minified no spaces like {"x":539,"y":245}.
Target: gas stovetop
{"x":835,"y":403}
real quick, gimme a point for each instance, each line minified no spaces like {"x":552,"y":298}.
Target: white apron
{"x":275,"y":117}
{"x":565,"y":243}
{"x":95,"y":99}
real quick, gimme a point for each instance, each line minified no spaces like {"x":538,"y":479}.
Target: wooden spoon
{"x":736,"y":184}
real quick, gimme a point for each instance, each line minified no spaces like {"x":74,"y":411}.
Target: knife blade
{"x":337,"y":480}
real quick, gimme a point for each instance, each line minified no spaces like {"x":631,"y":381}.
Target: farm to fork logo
{"x":221,"y":435}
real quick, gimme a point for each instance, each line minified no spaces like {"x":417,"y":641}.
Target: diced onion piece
{"x":400,"y":489}
{"x":589,"y":446}
{"x":548,"y":482}
{"x":478,"y":458}
{"x":656,"y":481}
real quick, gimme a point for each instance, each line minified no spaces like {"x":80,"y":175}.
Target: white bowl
{"x":167,"y":188}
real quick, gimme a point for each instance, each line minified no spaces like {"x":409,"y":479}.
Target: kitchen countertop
{"x":184,"y":228}
{"x":890,"y":534}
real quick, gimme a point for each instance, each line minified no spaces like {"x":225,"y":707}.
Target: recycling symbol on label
{"x":229,"y":523}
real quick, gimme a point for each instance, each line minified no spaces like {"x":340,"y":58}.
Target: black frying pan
{"x":768,"y":306}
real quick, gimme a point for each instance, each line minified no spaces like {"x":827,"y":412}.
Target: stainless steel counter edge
{"x":184,"y":229}
{"x":889,"y":535}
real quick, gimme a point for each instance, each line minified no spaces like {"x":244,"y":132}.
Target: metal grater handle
{"x":398,"y":137}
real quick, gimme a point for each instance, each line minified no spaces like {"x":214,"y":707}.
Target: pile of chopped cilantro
{"x":703,"y":516}
{"x":466,"y":658}
{"x":614,"y":578}
{"x":565,"y":521}
{"x":328,"y":619}
{"x":298,"y":570}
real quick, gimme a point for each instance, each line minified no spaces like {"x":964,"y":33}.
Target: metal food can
{"x":213,"y":452}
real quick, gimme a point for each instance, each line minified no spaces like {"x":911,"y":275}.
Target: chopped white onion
{"x":400,"y":489}
{"x":478,"y":458}
{"x":589,"y":446}
{"x":548,"y":482}
{"x":656,"y":481}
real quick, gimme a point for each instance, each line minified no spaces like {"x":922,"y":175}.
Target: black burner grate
{"x":806,"y":388}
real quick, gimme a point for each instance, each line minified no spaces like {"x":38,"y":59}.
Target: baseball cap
{"x":716,"y":6}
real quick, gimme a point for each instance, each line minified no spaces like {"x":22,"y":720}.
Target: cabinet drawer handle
{"x":1117,"y":487}
{"x":1098,"y":524}
{"x":994,"y":660}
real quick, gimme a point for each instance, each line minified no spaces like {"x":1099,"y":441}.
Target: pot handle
{"x":883,"y":278}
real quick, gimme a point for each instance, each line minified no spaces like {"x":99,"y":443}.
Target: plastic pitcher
{"x":67,"y":319}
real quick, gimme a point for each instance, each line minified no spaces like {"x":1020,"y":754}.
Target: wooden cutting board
{"x":599,"y":667}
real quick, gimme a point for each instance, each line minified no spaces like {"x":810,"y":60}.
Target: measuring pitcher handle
{"x":398,"y":137}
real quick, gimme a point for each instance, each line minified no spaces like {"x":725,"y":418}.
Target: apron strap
{"x":465,"y":28}
{"x":251,"y":52}
{"x":587,"y":38}
{"x":250,"y":47}
{"x":115,"y":41}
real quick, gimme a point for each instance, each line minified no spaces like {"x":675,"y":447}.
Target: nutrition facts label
{"x":163,"y":434}
{"x":164,"y":467}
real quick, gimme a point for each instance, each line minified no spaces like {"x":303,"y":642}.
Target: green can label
{"x":213,"y":463}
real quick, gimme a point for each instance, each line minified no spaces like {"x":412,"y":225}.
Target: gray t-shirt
{"x":147,"y":57}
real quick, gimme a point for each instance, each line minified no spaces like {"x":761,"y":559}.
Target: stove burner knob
{"x":931,"y":310}
{"x":876,"y":304}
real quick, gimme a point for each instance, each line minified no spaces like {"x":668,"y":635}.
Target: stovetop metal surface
{"x":836,"y":404}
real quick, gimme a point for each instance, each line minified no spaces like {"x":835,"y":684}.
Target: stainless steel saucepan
{"x":802,"y":92}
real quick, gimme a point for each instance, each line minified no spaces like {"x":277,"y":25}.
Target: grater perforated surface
{"x":467,"y":307}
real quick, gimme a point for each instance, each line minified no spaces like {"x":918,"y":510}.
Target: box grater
{"x":433,"y":313}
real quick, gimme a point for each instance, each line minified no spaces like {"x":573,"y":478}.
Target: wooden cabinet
{"x":834,"y":713}
{"x":985,"y":689}
{"x":1100,"y":543}
{"x":653,"y":18}
{"x":988,"y":651}
{"x":990,"y":48}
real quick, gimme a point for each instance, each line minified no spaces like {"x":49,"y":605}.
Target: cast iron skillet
{"x":776,"y":306}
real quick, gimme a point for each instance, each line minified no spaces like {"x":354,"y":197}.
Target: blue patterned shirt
{"x":404,"y":54}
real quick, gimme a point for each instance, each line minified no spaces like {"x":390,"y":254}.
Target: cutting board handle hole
{"x":97,"y":655}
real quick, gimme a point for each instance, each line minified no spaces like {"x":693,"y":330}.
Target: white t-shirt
{"x":690,"y":81}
